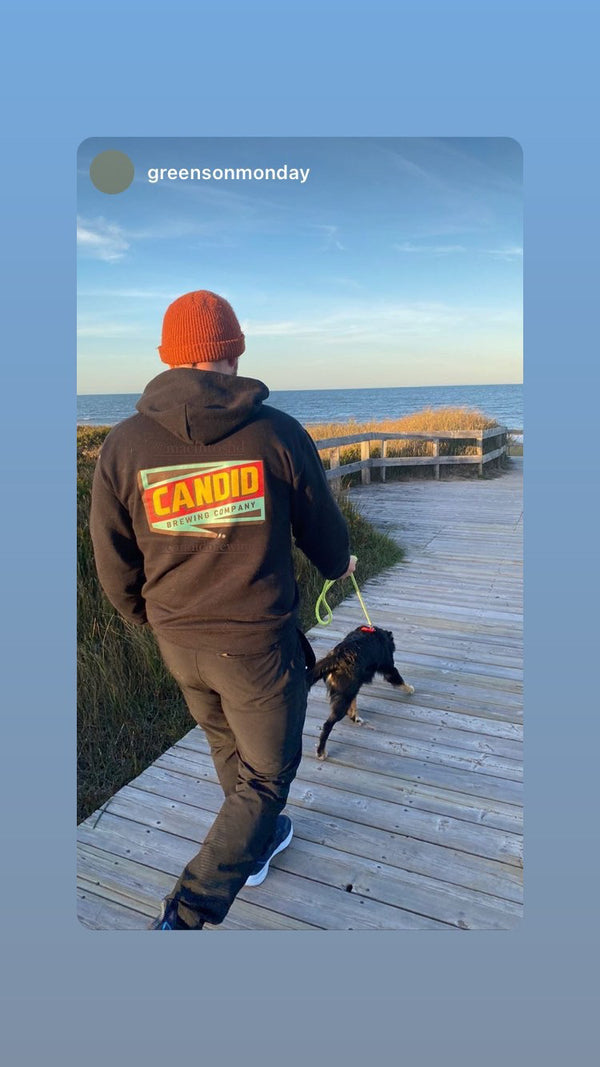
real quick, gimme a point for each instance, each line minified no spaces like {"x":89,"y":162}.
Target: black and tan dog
{"x":365,"y":652}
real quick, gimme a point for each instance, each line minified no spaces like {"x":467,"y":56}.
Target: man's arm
{"x":119,"y":561}
{"x":318,"y":525}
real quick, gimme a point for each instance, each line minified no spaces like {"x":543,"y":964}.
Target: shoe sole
{"x":157,"y":924}
{"x":258,"y":879}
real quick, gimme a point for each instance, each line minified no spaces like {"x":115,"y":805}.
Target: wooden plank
{"x":346,"y":468}
{"x":136,"y":887}
{"x":419,"y":795}
{"x":402,"y":767}
{"x":444,"y":863}
{"x":417,"y":435}
{"x":364,"y":784}
{"x":451,"y":611}
{"x":460,"y":609}
{"x":95,"y":912}
{"x":494,"y":454}
{"x":187,"y":825}
{"x":329,"y":906}
{"x":413,"y":615}
{"x":422,"y":461}
{"x":449,"y":574}
{"x":332,"y":907}
{"x":156,"y":852}
{"x":344,"y":439}
{"x":494,"y":431}
{"x":443,"y":901}
{"x":99,"y":908}
{"x":448,"y":831}
{"x":452,"y":905}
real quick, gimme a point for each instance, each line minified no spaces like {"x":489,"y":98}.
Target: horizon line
{"x":350,"y":388}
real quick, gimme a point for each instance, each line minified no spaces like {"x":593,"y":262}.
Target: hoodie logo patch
{"x":188,"y":498}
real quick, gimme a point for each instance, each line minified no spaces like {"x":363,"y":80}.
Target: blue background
{"x":495,"y":69}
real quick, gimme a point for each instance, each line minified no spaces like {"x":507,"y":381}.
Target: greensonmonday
{"x":282,"y":174}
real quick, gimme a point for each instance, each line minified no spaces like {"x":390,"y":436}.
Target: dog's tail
{"x":322,"y":668}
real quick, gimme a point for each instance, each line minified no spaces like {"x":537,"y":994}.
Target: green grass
{"x":129,"y":708}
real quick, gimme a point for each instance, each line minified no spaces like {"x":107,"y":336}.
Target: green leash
{"x":322,"y":602}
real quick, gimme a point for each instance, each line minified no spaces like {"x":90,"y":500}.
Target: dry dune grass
{"x":430,"y":420}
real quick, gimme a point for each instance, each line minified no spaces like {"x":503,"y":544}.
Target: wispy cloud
{"x":130,"y":294}
{"x":108,"y":241}
{"x":422,"y":174}
{"x":110,"y":330}
{"x":101,"y":239}
{"x":285,"y":328}
{"x":330,"y":234}
{"x":436,"y":250}
{"x":385,"y":321}
{"x":512,"y":252}
{"x":345,"y":283}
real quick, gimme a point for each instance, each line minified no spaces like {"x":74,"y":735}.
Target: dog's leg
{"x":356,"y":719}
{"x":352,"y":713}
{"x":395,"y":678}
{"x":339,"y":707}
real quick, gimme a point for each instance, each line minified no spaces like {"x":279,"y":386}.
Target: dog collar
{"x":368,"y":629}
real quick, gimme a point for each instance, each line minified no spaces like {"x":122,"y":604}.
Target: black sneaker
{"x":281,"y":839}
{"x":168,"y":918}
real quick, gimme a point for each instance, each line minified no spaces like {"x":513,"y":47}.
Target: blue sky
{"x":397,"y":262}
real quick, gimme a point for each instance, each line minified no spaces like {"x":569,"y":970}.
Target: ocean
{"x":502,"y":402}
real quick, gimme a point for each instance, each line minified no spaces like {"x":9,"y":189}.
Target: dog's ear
{"x":390,"y":636}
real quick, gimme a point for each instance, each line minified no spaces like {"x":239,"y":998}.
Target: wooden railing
{"x":367,"y":462}
{"x":514,"y":442}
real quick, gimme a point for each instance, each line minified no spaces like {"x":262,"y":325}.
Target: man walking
{"x":194,"y":503}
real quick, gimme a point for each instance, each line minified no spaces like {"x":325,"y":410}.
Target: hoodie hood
{"x":201,"y":406}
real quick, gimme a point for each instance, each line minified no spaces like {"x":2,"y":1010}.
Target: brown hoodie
{"x":194,"y":503}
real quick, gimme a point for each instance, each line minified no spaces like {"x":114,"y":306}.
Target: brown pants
{"x":252,"y":709}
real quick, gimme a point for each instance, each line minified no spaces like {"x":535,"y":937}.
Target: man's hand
{"x":351,"y":567}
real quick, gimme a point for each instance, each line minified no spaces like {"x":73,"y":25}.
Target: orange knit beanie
{"x":198,"y":328}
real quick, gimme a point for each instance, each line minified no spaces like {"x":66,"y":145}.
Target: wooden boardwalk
{"x":415,"y":823}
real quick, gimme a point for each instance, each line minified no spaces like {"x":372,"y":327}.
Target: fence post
{"x":384,"y":445}
{"x":365,"y":453}
{"x":480,"y":453}
{"x":334,"y":461}
{"x":436,"y":453}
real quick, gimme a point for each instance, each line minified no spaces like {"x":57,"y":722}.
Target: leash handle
{"x":322,"y":602}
